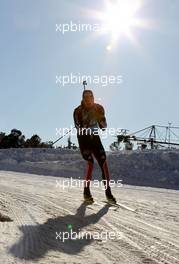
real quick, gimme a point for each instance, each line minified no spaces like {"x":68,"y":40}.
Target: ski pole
{"x":62,"y":136}
{"x":84,"y":84}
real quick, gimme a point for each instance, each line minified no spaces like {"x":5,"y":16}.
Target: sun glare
{"x":119,"y":17}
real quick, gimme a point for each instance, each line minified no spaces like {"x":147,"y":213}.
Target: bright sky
{"x":141,"y":44}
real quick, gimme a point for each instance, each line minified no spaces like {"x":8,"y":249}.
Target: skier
{"x":88,"y":118}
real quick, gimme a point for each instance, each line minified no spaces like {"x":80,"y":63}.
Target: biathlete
{"x":88,"y":118}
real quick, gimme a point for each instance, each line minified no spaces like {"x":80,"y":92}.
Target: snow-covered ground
{"x":40,"y":209}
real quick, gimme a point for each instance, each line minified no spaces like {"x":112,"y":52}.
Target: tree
{"x":33,"y":142}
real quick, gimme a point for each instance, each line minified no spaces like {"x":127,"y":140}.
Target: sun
{"x":119,"y":17}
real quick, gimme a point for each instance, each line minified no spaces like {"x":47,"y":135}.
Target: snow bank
{"x":156,"y":168}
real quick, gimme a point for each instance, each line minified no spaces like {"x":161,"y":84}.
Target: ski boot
{"x":110,"y":198}
{"x":87,"y":196}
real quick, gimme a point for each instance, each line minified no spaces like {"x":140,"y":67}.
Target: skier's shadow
{"x":38,"y":240}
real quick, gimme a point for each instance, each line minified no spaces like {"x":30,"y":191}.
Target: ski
{"x":112,"y":206}
{"x":119,"y":205}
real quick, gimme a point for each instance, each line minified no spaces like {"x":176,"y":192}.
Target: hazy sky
{"x":32,"y":54}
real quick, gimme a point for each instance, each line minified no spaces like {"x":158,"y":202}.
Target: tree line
{"x":15,"y":139}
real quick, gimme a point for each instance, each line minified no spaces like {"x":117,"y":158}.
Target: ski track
{"x":31,"y":200}
{"x":24,"y":221}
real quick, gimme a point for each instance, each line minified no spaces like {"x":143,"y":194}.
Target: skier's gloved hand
{"x":101,"y":118}
{"x":102,"y":124}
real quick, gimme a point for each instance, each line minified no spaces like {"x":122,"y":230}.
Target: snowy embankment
{"x":157,"y":168}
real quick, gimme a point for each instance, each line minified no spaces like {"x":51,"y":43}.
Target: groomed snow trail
{"x":40,"y":208}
